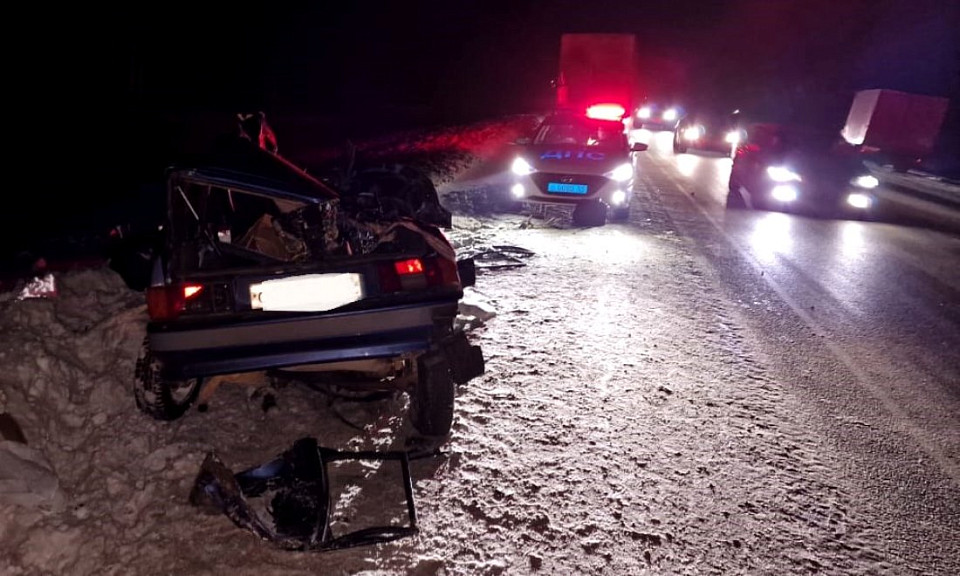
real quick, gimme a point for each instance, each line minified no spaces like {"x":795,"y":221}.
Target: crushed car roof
{"x":242,"y":165}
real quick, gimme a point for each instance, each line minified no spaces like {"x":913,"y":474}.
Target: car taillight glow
{"x":606,"y":112}
{"x":191,"y":290}
{"x":417,"y":274}
{"x":168,"y":302}
{"x":411,"y":266}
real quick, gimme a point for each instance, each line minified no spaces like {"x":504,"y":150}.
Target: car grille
{"x":592,"y":181}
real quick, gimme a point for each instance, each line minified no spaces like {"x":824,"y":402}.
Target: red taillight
{"x":606,"y":112}
{"x":418,"y":274}
{"x":407,"y":267}
{"x":168,"y":302}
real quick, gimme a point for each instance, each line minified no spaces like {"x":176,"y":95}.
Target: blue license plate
{"x":561,"y":188}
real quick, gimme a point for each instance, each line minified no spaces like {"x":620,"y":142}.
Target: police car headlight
{"x":732,"y":137}
{"x":521,"y":167}
{"x":782,"y":174}
{"x":865,"y":181}
{"x":643,"y":112}
{"x":621,"y":173}
{"x":670,"y":114}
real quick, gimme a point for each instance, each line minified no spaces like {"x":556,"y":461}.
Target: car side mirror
{"x":522,"y":141}
{"x":638,"y":147}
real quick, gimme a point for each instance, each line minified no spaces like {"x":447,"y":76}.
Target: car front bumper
{"x":832,"y":201}
{"x":535,"y":186}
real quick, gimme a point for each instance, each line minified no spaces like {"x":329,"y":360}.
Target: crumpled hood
{"x":574,"y":159}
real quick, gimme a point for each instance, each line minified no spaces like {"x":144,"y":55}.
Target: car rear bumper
{"x":188,"y":352}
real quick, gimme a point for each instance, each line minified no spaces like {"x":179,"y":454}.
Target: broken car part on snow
{"x":264,"y":267}
{"x":287,"y":500}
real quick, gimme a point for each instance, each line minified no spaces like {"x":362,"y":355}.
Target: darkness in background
{"x":106,"y":96}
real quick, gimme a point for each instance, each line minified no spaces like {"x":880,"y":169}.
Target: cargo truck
{"x":897,"y":128}
{"x":597,"y":69}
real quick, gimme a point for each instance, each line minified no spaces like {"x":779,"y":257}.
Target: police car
{"x":581,"y":159}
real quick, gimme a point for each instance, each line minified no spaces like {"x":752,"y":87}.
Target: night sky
{"x":116,"y":76}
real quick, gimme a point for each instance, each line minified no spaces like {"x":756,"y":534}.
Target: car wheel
{"x":678,"y":148}
{"x":591,"y":213}
{"x":432,"y":397}
{"x":162,"y":399}
{"x":735,"y":199}
{"x":621,"y":214}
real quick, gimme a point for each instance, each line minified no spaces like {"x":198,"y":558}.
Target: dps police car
{"x":581,"y":159}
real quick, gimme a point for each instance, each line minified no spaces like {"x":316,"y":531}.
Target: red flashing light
{"x":606,"y":112}
{"x":407,"y":267}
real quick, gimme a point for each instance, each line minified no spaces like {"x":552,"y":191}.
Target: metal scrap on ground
{"x":500,"y":256}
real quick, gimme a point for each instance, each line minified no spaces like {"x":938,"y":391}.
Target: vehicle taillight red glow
{"x":191,"y":290}
{"x":411,"y":266}
{"x":168,"y":302}
{"x":606,"y":112}
{"x":418,"y":274}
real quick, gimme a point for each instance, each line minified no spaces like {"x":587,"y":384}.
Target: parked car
{"x":576,"y":159}
{"x":263,"y":267}
{"x":795,"y":169}
{"x":708,"y":131}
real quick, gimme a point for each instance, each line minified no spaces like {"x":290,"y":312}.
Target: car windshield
{"x":580,"y":133}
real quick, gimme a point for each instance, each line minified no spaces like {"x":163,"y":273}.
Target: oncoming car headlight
{"x":784,"y":193}
{"x":859,"y":200}
{"x":782,"y":174}
{"x":521,"y":167}
{"x":692,"y":132}
{"x":866,"y":181}
{"x":621,"y":173}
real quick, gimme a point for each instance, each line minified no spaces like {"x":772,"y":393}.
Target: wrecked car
{"x":264,"y":267}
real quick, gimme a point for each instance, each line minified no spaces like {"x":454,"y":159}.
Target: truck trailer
{"x":597,"y":69}
{"x":898,"y":128}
